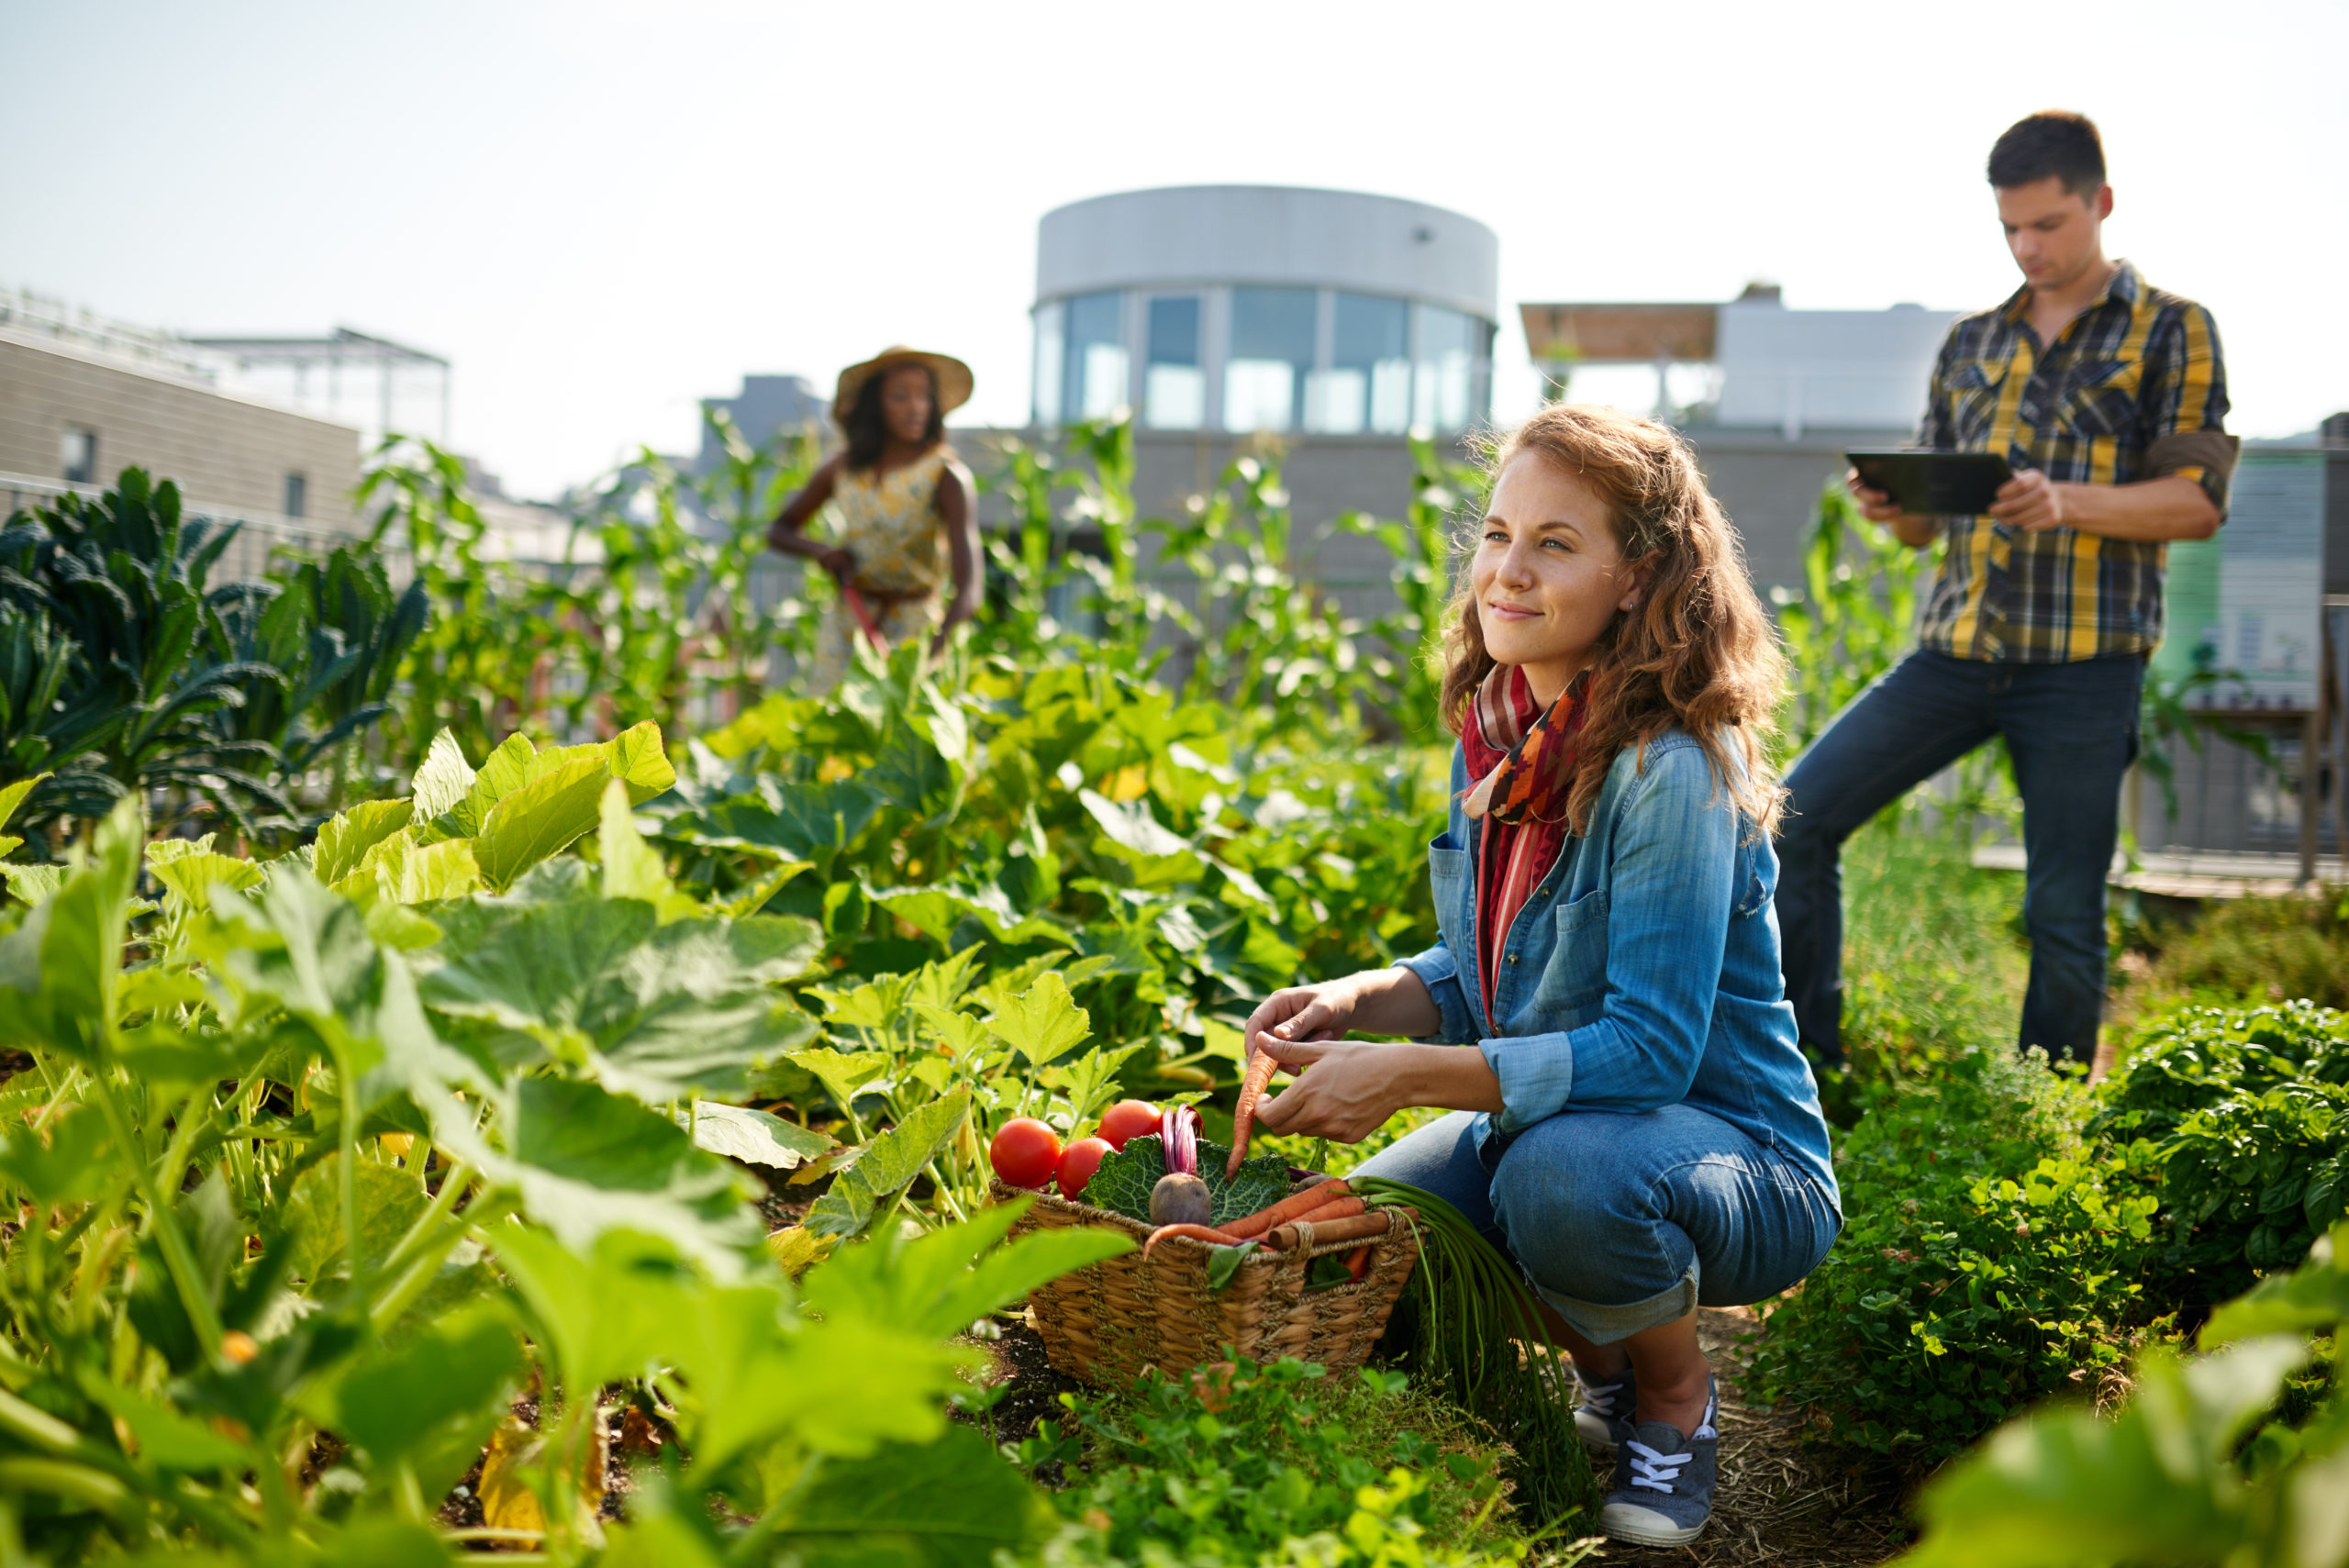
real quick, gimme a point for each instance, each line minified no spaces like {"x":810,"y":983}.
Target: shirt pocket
{"x":2104,"y":398}
{"x":1575,"y":975}
{"x":1973,"y":389}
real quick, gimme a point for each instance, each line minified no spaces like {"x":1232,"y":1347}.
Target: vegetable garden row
{"x":427,"y":1137}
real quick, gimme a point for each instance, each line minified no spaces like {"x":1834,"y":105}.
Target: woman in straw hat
{"x":904,"y":522}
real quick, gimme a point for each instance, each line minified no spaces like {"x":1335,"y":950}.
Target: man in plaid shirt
{"x":2106,"y":395}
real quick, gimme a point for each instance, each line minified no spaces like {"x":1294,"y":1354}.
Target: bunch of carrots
{"x":1331,"y":1210}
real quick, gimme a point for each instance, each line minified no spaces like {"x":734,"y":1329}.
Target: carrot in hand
{"x":1194,"y":1232}
{"x":1295,"y":1206}
{"x":1252,"y":1088}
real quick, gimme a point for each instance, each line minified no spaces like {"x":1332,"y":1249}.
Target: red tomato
{"x":1084,"y":1157}
{"x":1128,"y":1119}
{"x":1025,"y":1152}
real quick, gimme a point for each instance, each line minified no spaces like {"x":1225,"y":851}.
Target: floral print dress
{"x":890,"y":523}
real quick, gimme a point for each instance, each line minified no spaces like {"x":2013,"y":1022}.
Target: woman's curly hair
{"x":1697,"y":653}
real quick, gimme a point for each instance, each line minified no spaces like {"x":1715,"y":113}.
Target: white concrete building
{"x":1249,"y":309}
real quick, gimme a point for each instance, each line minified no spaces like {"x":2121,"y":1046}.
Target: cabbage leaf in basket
{"x":1123,"y":1180}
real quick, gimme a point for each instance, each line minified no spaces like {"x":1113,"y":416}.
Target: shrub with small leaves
{"x":1989,"y":1258}
{"x":2241,"y":1120}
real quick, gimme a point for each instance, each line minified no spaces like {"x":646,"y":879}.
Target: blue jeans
{"x":1624,"y":1220}
{"x":2071,"y":730}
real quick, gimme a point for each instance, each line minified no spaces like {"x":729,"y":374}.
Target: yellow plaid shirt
{"x":2095,"y":406}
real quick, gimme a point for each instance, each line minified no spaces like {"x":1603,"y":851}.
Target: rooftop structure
{"x":1786,"y":369}
{"x":378,"y":386}
{"x":767,"y":406}
{"x":1246,"y":308}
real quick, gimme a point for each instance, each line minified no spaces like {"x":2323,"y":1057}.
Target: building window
{"x":1174,"y":387}
{"x":1272,"y":355}
{"x":1368,"y":383}
{"x":1093,"y":383}
{"x":297,"y":496}
{"x":1447,"y":370}
{"x":78,"y":456}
{"x":1047,"y":383}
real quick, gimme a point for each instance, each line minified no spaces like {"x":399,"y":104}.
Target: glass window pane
{"x":1367,"y":387}
{"x":1174,"y":387}
{"x":1271,"y":354}
{"x":1337,"y":401}
{"x":1047,"y":383}
{"x":1445,"y":369}
{"x":1093,"y":382}
{"x":1259,"y":394}
{"x":1174,"y":330}
{"x":1174,"y":397}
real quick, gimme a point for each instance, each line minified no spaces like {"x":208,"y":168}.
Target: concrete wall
{"x":222,"y":451}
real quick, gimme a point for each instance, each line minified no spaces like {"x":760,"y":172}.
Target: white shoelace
{"x":1600,"y":1397}
{"x":1649,"y":1467}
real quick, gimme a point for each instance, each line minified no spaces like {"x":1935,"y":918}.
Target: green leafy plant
{"x":1991,"y":1256}
{"x":1244,"y":1463}
{"x":306,"y":1207}
{"x":123,"y":674}
{"x":2170,"y":1478}
{"x":2242,"y":1116}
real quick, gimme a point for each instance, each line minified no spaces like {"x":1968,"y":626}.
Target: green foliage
{"x":1250,"y":1463}
{"x":289,"y":1188}
{"x":1991,"y":1256}
{"x":2245,"y":1117}
{"x":1468,"y":1326}
{"x":1851,"y":619}
{"x":2254,"y":950}
{"x":1933,"y":970}
{"x":123,"y":675}
{"x":2170,"y":1479}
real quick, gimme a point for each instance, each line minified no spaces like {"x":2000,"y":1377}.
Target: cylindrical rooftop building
{"x":1243,"y":308}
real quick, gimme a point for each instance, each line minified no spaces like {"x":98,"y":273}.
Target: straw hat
{"x":954,"y":378}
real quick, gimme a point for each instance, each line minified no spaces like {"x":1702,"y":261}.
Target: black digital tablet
{"x":1928,"y":483}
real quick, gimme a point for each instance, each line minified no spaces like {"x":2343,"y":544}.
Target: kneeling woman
{"x":1636,"y":1126}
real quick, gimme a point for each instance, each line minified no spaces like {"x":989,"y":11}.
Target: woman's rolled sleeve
{"x":1440,"y":975}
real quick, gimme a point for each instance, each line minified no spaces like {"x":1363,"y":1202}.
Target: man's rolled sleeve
{"x":2185,"y":401}
{"x":1440,"y":975}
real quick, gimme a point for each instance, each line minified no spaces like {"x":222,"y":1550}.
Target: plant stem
{"x":177,"y":1256}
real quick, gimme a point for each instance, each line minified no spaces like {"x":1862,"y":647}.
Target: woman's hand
{"x":1352,"y":1090}
{"x":1321,"y":1011}
{"x":838,"y":562}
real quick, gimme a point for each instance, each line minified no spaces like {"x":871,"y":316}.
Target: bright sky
{"x":603,"y":212}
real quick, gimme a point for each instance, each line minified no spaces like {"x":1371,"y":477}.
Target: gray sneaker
{"x":1662,"y":1490}
{"x":1603,"y":1416}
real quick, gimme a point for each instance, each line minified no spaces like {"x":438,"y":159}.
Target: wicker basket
{"x":1104,"y":1322}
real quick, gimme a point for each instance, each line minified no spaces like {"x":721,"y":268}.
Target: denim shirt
{"x":1642,"y":972}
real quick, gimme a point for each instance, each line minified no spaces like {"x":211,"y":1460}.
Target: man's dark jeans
{"x":2072,"y":731}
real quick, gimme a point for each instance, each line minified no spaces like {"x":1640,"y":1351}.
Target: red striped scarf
{"x":1520,"y":756}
